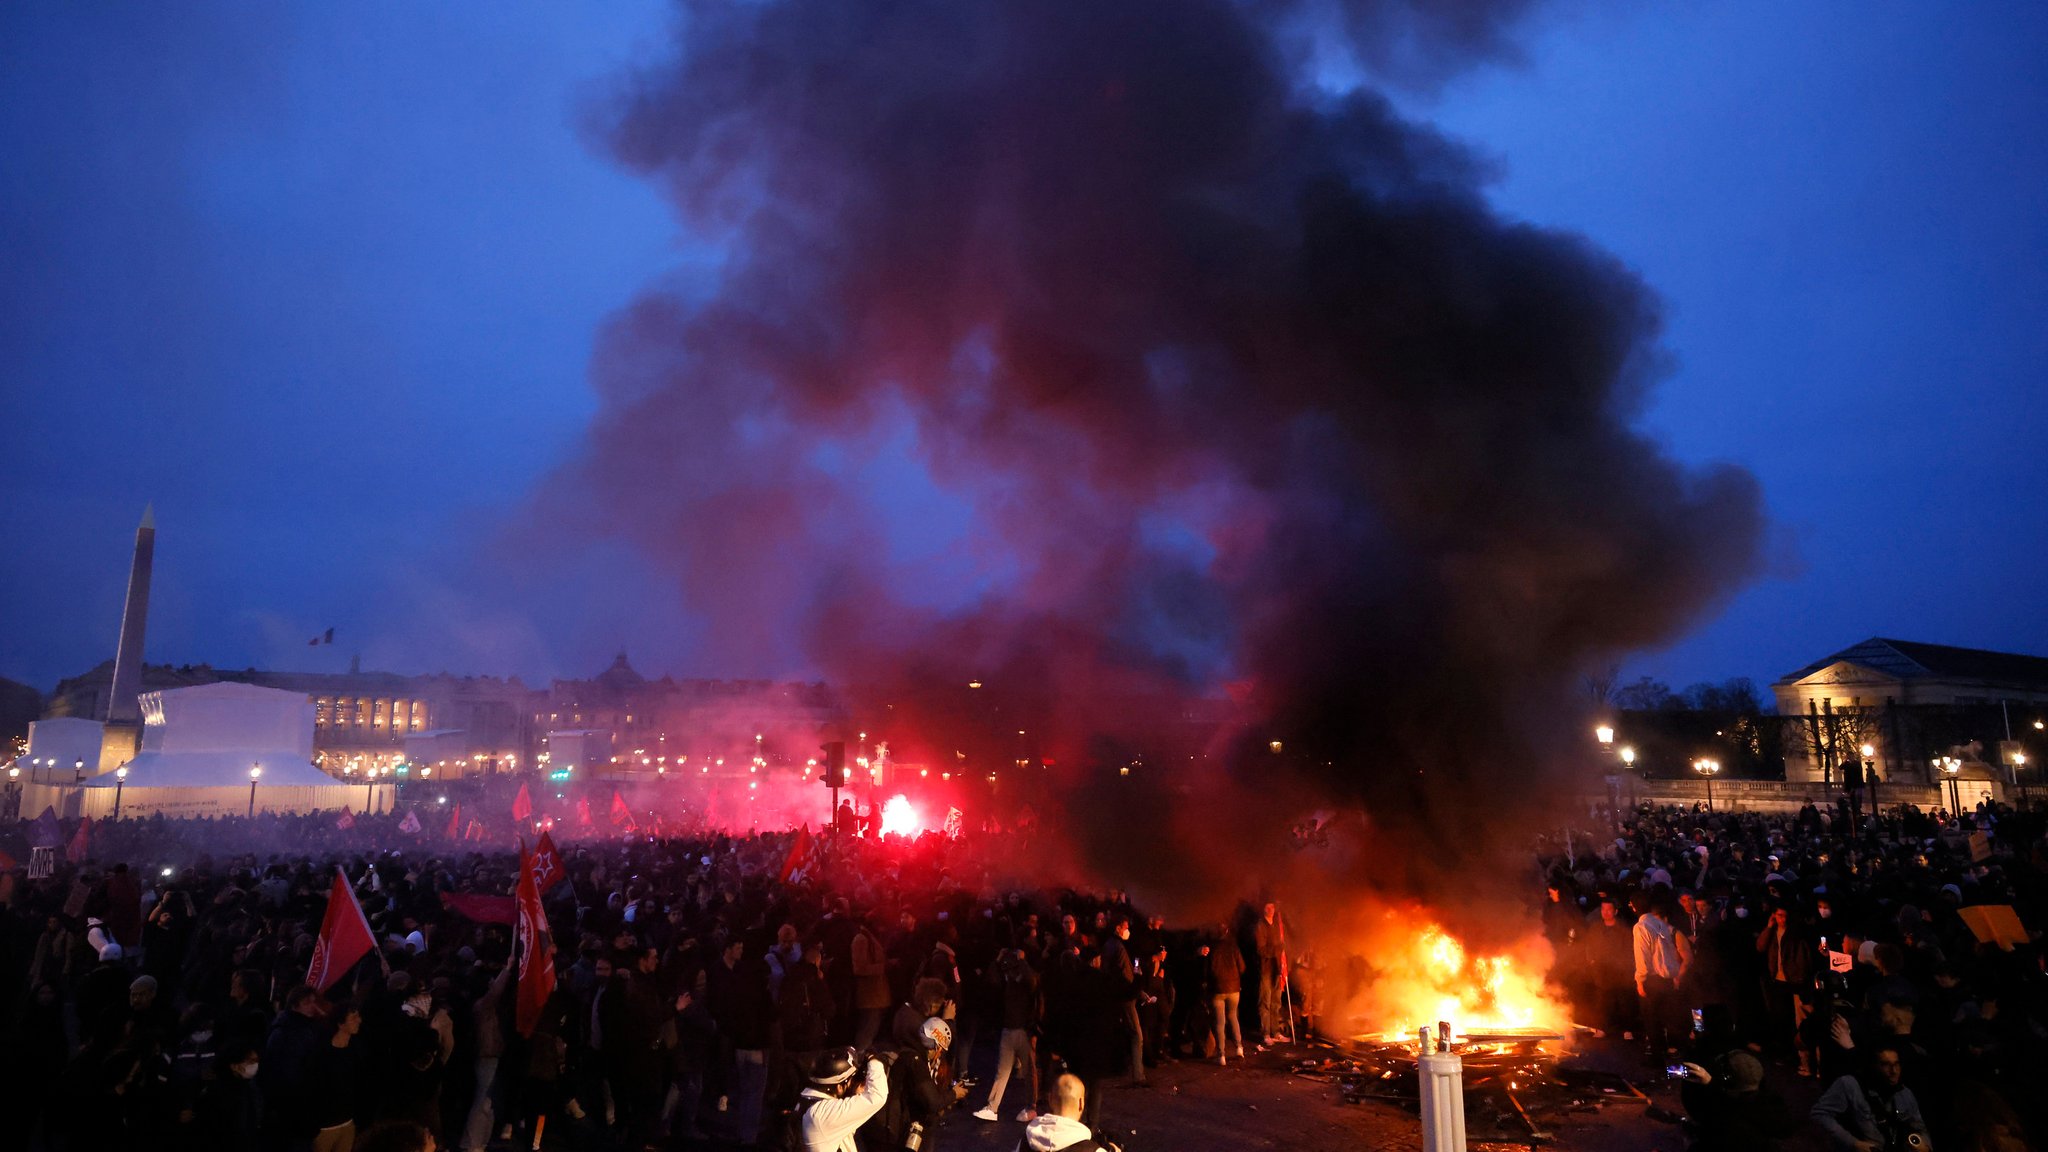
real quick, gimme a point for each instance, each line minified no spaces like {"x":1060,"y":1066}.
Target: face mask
{"x":247,"y":1071}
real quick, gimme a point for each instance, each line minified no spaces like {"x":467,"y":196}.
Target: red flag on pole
{"x":81,"y":842}
{"x":344,"y":937}
{"x":621,"y":814}
{"x":547,"y":865}
{"x":454,"y":821}
{"x":536,"y":955}
{"x":799,"y":848}
{"x":347,"y":821}
{"x":583,"y":811}
{"x":522,"y":805}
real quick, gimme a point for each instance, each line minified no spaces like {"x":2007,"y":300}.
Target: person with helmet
{"x":839,"y":1099}
{"x":922,"y":1088}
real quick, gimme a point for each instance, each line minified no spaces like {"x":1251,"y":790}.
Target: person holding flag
{"x":522,"y":805}
{"x":454,"y":821}
{"x":347,"y":820}
{"x":345,"y":936}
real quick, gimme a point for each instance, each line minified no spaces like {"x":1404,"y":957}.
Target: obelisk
{"x":124,"y":711}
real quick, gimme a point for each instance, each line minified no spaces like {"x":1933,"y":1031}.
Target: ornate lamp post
{"x":120,"y":779}
{"x":255,"y":772}
{"x":1950,"y":767}
{"x":1707,"y":770}
{"x":1870,"y":779}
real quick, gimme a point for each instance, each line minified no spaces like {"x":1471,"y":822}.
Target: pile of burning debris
{"x":1518,"y":1086}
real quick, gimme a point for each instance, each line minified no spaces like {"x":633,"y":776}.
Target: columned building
{"x":1928,"y":712}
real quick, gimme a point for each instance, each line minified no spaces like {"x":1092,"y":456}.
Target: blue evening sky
{"x":321,"y":281}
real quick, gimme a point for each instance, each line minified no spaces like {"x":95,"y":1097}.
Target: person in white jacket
{"x":1061,"y":1130}
{"x":833,"y":1110}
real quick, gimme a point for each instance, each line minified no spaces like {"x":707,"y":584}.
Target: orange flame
{"x":1423,"y":975}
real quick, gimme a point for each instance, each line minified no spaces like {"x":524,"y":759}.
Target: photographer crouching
{"x":1731,"y":1108}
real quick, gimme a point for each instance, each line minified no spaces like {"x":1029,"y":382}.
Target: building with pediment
{"x":1917,"y":705}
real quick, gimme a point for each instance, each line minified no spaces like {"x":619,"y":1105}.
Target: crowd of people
{"x":890,"y":992}
{"x":703,"y":997}
{"x":1887,"y":959}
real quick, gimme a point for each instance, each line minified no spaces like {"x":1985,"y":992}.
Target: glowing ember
{"x":1426,"y":975}
{"x":899,"y":818}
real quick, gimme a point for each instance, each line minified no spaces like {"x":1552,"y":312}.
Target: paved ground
{"x":1262,"y":1103}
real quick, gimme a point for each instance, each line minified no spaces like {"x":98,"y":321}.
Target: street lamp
{"x":1950,"y":767}
{"x":1870,"y":780}
{"x":255,"y":772}
{"x":1707,"y":770}
{"x":1604,"y":734}
{"x":120,"y":779}
{"x":2019,"y":763}
{"x":1628,"y":756}
{"x":78,"y":771}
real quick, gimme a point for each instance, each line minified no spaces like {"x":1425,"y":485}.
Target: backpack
{"x":790,"y":1124}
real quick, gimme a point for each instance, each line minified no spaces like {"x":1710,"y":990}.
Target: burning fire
{"x":1426,"y":975}
{"x":899,"y":818}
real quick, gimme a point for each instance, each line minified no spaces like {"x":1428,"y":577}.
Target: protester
{"x":1874,"y":1112}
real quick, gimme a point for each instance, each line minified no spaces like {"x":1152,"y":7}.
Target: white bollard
{"x":1443,"y":1100}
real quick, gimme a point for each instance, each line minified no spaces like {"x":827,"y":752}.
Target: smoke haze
{"x":1246,"y":393}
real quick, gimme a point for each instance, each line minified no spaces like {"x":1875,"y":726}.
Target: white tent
{"x":199,"y":746}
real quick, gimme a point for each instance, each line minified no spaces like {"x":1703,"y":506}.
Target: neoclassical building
{"x":1915,"y":705}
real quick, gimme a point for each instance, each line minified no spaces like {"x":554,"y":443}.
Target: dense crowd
{"x":1736,"y":948}
{"x":701,"y":1000}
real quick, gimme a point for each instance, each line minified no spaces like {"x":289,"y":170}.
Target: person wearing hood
{"x":1061,"y":1129}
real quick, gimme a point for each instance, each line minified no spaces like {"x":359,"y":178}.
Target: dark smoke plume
{"x":1251,"y":396}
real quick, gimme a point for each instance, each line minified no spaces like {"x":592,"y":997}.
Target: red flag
{"x":547,"y":865}
{"x":799,"y":850}
{"x":622,"y":816}
{"x":454,"y":821}
{"x":347,"y":821}
{"x":482,"y":909}
{"x":81,"y":843}
{"x":344,"y":937}
{"x":583,"y":811}
{"x":475,"y":831}
{"x":522,"y":805}
{"x":536,"y":954}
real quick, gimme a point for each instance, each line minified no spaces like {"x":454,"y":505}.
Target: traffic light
{"x":834,"y":775}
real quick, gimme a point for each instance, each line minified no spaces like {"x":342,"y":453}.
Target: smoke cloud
{"x":1256,"y":408}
